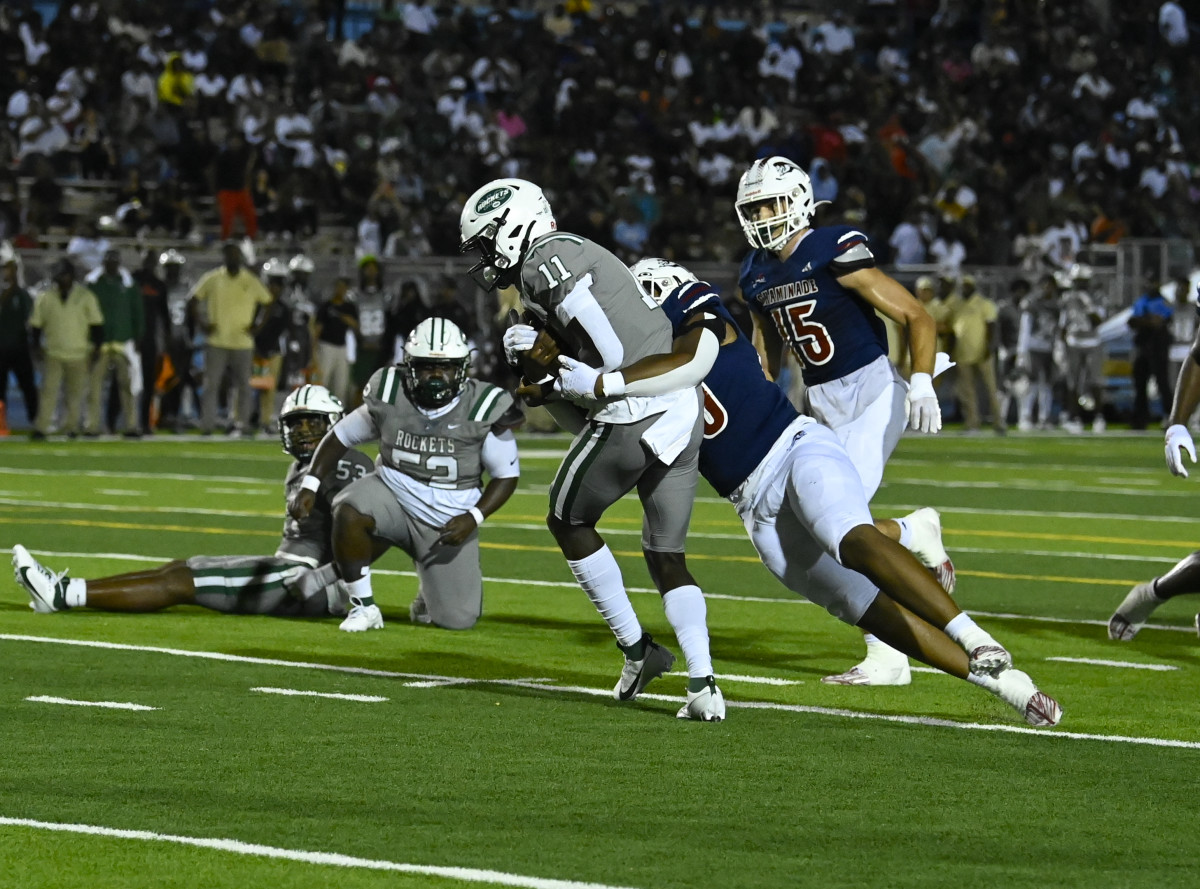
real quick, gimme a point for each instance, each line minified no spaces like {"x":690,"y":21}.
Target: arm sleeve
{"x":684,"y":377}
{"x":356,"y":427}
{"x":500,"y":458}
{"x":580,"y":305}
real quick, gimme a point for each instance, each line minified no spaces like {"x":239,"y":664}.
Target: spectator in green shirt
{"x":121,"y":305}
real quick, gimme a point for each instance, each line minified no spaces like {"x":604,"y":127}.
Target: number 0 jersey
{"x":308,"y":540}
{"x":830,"y":328}
{"x":744,"y":412}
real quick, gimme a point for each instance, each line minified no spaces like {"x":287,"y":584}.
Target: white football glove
{"x":924,"y":412}
{"x":518,"y":338}
{"x":1178,"y":437}
{"x":576,"y":379}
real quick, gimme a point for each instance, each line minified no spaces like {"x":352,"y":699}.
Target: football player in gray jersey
{"x":589,"y":301}
{"x":297,"y":581}
{"x":438,"y":432}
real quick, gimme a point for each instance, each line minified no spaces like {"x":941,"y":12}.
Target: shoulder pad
{"x":384,"y":386}
{"x":489,"y":403}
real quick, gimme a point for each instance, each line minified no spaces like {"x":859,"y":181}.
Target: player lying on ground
{"x":583,"y":295}
{"x":438,"y":430}
{"x":1184,"y":578}
{"x":801,"y":499}
{"x":297,"y":581}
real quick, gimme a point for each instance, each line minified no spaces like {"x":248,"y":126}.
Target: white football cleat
{"x":706,"y":705}
{"x":926,"y":545}
{"x":46,"y":589}
{"x":362,"y":617}
{"x":1132,"y":613}
{"x":883,"y":665}
{"x":989,"y":660}
{"x":636,"y":675}
{"x":1016,"y":689}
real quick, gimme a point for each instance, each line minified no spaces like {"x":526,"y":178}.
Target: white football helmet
{"x":658,"y":277}
{"x":171,"y":256}
{"x":436,"y":344}
{"x":274,"y":268}
{"x":307,"y":414}
{"x":777,"y":180}
{"x":500,"y":220}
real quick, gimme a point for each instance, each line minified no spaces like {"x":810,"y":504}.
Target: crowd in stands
{"x":959,"y":132}
{"x":948,"y":129}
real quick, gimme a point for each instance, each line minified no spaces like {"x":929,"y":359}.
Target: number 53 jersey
{"x":830,"y":328}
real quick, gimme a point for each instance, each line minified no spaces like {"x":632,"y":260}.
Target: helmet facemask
{"x":302,"y":431}
{"x":492,"y":270}
{"x":431,"y":383}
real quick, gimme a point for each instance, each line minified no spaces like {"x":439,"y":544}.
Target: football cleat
{"x":362,"y":617}
{"x":873,"y":673}
{"x":46,"y":590}
{"x":706,"y":705}
{"x":989,"y":660}
{"x":1132,"y":613}
{"x":926,"y":545}
{"x":636,"y":675}
{"x":1037,"y":708}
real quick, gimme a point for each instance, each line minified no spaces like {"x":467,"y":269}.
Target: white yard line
{"x":121,"y":492}
{"x":433,"y":681}
{"x":1101,"y":662}
{"x":729,"y":597}
{"x":468,"y":874}
{"x":295,"y":692}
{"x":108,"y":705}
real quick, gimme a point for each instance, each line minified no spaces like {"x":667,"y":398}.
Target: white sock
{"x":687,"y":612}
{"x":905,"y":532}
{"x":984,"y":681}
{"x":963,"y":630}
{"x":878,"y":650}
{"x":75,"y":595}
{"x":361,"y":588}
{"x":600,"y":576}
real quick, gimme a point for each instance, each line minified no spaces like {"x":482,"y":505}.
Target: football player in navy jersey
{"x":799,"y":495}
{"x":816,"y":291}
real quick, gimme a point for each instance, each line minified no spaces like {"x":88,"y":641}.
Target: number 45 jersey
{"x":830,"y":328}
{"x":744,"y":412}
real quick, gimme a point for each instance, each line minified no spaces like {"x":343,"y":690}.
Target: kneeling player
{"x":800,"y":497}
{"x":297,"y":581}
{"x":438,"y":431}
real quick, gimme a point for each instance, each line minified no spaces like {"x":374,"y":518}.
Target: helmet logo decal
{"x":493,"y":200}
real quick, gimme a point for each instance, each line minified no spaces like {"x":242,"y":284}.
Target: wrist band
{"x":310,"y":483}
{"x":612,"y":384}
{"x":476,"y":514}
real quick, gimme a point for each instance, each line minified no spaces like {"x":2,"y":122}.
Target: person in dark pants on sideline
{"x":15,"y":354}
{"x":1151,"y":325}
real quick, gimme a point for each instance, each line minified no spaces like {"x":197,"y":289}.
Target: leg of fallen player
{"x":138,"y":591}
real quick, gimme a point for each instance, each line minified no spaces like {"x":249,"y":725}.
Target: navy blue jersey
{"x":830,"y":328}
{"x":744,"y":412}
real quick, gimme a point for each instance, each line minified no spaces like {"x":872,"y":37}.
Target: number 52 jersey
{"x":830,"y":328}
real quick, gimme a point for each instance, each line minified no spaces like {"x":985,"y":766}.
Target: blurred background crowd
{"x":1003,"y":149}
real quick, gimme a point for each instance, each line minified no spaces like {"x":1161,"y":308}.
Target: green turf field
{"x":498,"y":757}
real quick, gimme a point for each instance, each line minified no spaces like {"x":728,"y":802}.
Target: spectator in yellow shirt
{"x":228,"y":303}
{"x":975,"y":337}
{"x":68,"y":327}
{"x":176,"y":84}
